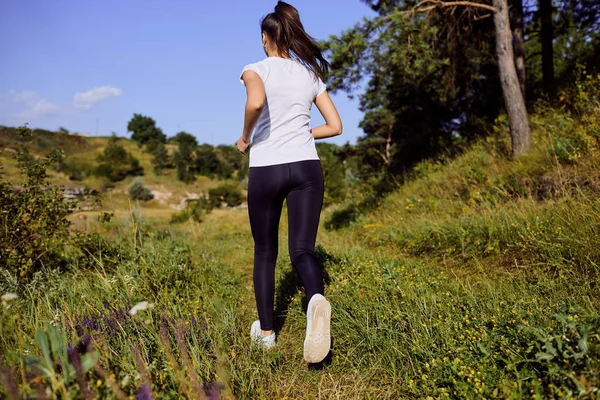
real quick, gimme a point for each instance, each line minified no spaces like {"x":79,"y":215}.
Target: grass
{"x":476,"y":279}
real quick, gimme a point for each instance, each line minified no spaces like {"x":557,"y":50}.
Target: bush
{"x":207,"y":163}
{"x":196,"y":209}
{"x":227,"y":193}
{"x":33,"y":220}
{"x":199,"y":208}
{"x":179,"y":217}
{"x":137,"y":191}
{"x":334,"y":174}
{"x":116,"y":163}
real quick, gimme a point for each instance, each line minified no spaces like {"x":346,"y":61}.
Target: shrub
{"x":160,"y":158}
{"x":196,"y":209}
{"x":207,"y":163}
{"x":116,"y":163}
{"x":199,"y":208}
{"x":33,"y":217}
{"x":227,"y":193}
{"x":180,"y":217}
{"x":334,"y":174}
{"x":137,"y":191}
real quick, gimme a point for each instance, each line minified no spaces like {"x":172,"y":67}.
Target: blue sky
{"x":88,"y":65}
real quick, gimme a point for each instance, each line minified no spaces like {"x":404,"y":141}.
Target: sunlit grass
{"x":477,"y":279}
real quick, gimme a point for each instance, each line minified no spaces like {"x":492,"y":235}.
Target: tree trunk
{"x":518,"y":120}
{"x":516,"y":23}
{"x":547,"y":36}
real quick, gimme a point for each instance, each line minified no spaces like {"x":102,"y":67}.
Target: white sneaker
{"x":265,"y":341}
{"x":318,"y":336}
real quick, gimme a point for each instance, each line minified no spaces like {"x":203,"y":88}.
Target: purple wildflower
{"x":79,"y":329}
{"x":144,"y":393}
{"x":213,"y":391}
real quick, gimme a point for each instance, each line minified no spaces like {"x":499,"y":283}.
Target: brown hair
{"x":283,"y":26}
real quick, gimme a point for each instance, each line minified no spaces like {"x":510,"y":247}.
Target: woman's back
{"x":282,"y":133}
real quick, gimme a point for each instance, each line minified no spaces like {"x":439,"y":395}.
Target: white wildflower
{"x":7,"y":297}
{"x":141,"y":306}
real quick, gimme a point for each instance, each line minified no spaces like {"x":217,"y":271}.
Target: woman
{"x":284,"y":165}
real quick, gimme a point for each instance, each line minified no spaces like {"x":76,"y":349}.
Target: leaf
{"x":88,"y":360}
{"x":543,"y":356}
{"x":550,"y":349}
{"x":483,"y":348}
{"x":583,"y":343}
{"x":42,"y":340}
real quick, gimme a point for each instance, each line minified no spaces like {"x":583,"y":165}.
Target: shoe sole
{"x":318,"y":340}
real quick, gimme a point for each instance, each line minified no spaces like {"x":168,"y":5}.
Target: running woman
{"x":284,"y":165}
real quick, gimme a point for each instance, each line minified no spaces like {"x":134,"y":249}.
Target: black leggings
{"x":301,"y":184}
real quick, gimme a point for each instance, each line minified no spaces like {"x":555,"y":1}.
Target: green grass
{"x":476,"y":279}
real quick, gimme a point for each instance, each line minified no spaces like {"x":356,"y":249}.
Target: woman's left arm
{"x":255,"y":102}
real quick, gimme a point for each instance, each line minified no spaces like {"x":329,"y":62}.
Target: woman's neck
{"x":275,"y":53}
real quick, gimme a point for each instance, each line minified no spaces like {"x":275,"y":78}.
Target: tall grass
{"x":476,"y":279}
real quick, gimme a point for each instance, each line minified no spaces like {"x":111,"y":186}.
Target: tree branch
{"x":433,"y":4}
{"x":440,"y":3}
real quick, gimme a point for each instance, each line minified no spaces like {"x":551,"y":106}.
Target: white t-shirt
{"x":282,"y":133}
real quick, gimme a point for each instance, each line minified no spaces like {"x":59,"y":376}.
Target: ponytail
{"x":284,"y":27}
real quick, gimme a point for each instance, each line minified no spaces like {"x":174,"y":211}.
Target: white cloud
{"x":36,"y":106}
{"x":86,"y":100}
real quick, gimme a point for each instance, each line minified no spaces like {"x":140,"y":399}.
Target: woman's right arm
{"x":333,"y":122}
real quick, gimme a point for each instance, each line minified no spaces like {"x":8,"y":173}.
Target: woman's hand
{"x":242,"y":145}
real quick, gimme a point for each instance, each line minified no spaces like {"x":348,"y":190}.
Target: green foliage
{"x":475,"y":278}
{"x":33,"y":219}
{"x":160,"y":159}
{"x":429,"y":78}
{"x":207,"y":163}
{"x":43,"y":141}
{"x":67,"y":358}
{"x":228,"y":193}
{"x":180,"y":217}
{"x":583,"y":101}
{"x":183,"y":157}
{"x":231,"y":156}
{"x":199,"y":208}
{"x":334,"y":174}
{"x":196,"y":209}
{"x":76,"y":169}
{"x":137,"y":191}
{"x":116,"y":164}
{"x":185,"y":139}
{"x":145,"y":132}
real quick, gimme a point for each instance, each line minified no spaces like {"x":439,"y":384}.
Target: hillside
{"x":477,"y":278}
{"x":83,"y":152}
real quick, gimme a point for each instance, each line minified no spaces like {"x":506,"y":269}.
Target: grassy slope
{"x":86,"y":151}
{"x":462,"y":284}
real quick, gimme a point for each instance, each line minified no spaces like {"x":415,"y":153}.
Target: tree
{"x":207,"y":163}
{"x":184,"y":138}
{"x":234,"y":160}
{"x":433,"y":72}
{"x":160,"y":158}
{"x":547,"y":35}
{"x":184,"y":157}
{"x":144,"y":131}
{"x":116,"y":163}
{"x":518,"y":119}
{"x":518,"y":29}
